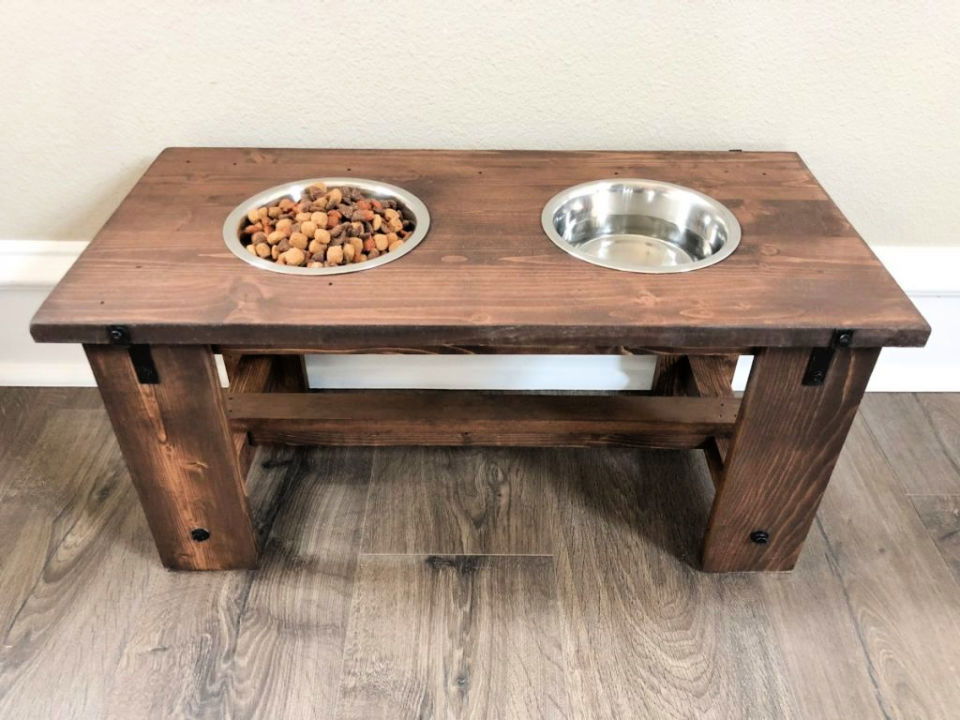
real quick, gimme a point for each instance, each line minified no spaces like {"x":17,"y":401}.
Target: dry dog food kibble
{"x":326,"y":228}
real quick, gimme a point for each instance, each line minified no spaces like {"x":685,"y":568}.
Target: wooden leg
{"x":262,"y":374}
{"x":670,"y":375}
{"x":712,"y":376}
{"x":784,"y":447}
{"x":178,"y":448}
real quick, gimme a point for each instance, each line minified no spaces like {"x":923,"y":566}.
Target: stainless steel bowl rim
{"x":231,"y":226}
{"x":564,"y":196}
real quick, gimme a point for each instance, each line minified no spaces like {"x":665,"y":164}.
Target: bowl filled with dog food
{"x":326,"y":226}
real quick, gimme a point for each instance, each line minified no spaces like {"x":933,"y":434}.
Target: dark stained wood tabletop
{"x":486,"y":275}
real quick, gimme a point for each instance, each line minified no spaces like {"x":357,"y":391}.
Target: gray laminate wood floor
{"x":431,"y":583}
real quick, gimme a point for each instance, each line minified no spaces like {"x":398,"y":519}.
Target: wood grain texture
{"x":449,"y":417}
{"x":294,"y":618}
{"x":818,"y":636}
{"x":74,"y":547}
{"x":920,"y":437}
{"x":179,"y":658}
{"x":900,"y":592}
{"x":459,"y":501}
{"x":442,"y":636}
{"x":786,"y":442}
{"x":669,"y":375}
{"x":485,"y":274}
{"x":646,"y":633}
{"x":940,"y":515}
{"x":261,"y":374}
{"x":712,"y":376}
{"x":866,"y":627}
{"x":187,"y":478}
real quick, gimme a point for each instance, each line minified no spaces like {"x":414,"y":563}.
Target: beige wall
{"x":868,"y":92}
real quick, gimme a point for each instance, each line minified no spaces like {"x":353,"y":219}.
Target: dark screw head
{"x":817,"y":376}
{"x":844,"y":339}
{"x":760,"y":537}
{"x":200,"y":534}
{"x":117,"y":334}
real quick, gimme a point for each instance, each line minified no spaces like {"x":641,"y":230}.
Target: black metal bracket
{"x":140,"y":354}
{"x":820,"y":358}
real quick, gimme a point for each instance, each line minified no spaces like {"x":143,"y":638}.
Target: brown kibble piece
{"x":258,"y":237}
{"x":333,"y":219}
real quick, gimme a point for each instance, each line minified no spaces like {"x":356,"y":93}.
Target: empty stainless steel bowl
{"x":644,"y":226}
{"x":371,"y":188}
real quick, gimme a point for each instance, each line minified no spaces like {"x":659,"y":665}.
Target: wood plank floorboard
{"x":646,"y":633}
{"x":459,"y":500}
{"x":919,"y":436}
{"x":440,"y":636}
{"x":899,"y":590}
{"x":474,"y":583}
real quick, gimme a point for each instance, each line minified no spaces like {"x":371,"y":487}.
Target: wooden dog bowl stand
{"x":156,"y":295}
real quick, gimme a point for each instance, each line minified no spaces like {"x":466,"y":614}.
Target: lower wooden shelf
{"x":450,"y":417}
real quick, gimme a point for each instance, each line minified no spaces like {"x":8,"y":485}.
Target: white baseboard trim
{"x":930,"y":275}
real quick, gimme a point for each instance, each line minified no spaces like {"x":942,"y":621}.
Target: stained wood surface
{"x":260,"y":374}
{"x":669,"y":375}
{"x":865,"y":627}
{"x":485,"y":274}
{"x":177,"y":445}
{"x":712,"y":376}
{"x":470,"y":418}
{"x":781,"y":456}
